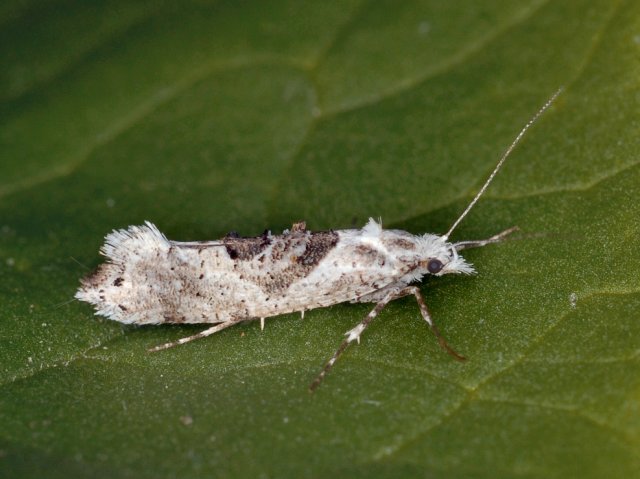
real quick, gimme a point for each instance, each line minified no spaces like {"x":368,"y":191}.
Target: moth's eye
{"x":434,"y":266}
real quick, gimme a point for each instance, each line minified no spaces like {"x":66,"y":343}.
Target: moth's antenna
{"x":505,"y":155}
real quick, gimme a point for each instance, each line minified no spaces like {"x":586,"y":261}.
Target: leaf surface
{"x":207,"y":117}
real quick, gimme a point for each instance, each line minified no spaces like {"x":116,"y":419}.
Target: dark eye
{"x":434,"y":266}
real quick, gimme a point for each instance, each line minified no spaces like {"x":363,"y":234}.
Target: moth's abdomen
{"x":149,"y":280}
{"x":127,"y":287}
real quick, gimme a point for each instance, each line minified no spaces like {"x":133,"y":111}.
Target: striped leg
{"x":201,"y":334}
{"x":414,"y":290}
{"x":352,"y":335}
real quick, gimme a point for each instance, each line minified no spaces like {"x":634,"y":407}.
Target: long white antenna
{"x":502,"y":160}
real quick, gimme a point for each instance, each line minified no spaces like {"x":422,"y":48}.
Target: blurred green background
{"x":206,"y":117}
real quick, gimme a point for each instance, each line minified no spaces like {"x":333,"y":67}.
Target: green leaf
{"x":206,"y":117}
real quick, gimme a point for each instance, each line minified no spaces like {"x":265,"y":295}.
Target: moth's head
{"x":441,"y":257}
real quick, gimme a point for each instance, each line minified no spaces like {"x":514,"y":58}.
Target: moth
{"x":148,"y":279}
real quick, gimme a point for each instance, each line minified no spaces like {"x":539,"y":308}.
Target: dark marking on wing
{"x":401,"y":243}
{"x":319,"y":245}
{"x":245,"y":249}
{"x":289,"y":269}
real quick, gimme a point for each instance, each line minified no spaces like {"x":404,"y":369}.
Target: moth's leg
{"x":414,"y":290}
{"x":478,"y":243}
{"x":352,"y":335}
{"x":201,"y":334}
